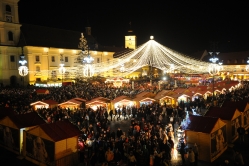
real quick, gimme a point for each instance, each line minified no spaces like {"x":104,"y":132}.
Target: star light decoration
{"x":161,"y":57}
{"x":84,"y":59}
{"x":23,"y":70}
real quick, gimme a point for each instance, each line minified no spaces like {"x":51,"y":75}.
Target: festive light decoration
{"x":247,"y":66}
{"x":153,"y":53}
{"x":84,"y":60}
{"x":214,"y":68}
{"x":23,"y":71}
{"x":62,"y":69}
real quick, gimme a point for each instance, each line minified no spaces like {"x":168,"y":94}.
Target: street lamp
{"x":23,"y":70}
{"x":214,"y":68}
{"x":62,"y":69}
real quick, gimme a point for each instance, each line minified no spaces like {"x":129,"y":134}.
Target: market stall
{"x":99,"y":102}
{"x":73,"y":104}
{"x":44,"y":104}
{"x":52,"y":144}
{"x":122,"y":101}
{"x":209,"y":134}
{"x":42,"y":91}
{"x":12,"y":127}
{"x":243,"y":107}
{"x":117,"y":81}
{"x":231,"y":116}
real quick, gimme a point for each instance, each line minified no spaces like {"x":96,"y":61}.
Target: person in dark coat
{"x":119,"y":133}
{"x":182,"y":152}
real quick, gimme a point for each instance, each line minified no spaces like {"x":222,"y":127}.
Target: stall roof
{"x":42,"y":91}
{"x":143,"y":99}
{"x":224,"y":113}
{"x":60,"y":130}
{"x":161,"y":94}
{"x":49,"y":102}
{"x":5,"y":111}
{"x":240,"y":105}
{"x":99,"y":99}
{"x":147,"y":94}
{"x":74,"y":101}
{"x":27,"y":120}
{"x":120,"y":98}
{"x":202,"y":124}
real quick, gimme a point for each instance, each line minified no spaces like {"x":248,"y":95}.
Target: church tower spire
{"x":130,"y":39}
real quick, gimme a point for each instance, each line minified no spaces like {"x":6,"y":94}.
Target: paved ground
{"x":9,"y":158}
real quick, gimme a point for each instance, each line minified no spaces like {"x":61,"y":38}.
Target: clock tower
{"x":9,"y":23}
{"x":130,"y":40}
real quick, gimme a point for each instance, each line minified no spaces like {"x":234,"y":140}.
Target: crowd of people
{"x":151,"y":139}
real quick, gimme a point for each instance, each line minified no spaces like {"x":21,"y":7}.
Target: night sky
{"x":184,"y":26}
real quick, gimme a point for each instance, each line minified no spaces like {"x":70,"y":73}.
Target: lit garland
{"x":154,"y":54}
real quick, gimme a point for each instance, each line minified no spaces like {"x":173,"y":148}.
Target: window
{"x":38,"y":68}
{"x":38,"y":79}
{"x":66,"y":59}
{"x":8,"y":9}
{"x":12,"y":58}
{"x":10,"y":36}
{"x":98,"y":60}
{"x":37,"y":58}
{"x":52,"y":59}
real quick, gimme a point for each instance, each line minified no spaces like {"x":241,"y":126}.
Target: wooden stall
{"x":161,"y":97}
{"x":209,"y":133}
{"x":99,"y":102}
{"x":12,"y":127}
{"x":52,"y":144}
{"x":243,"y":107}
{"x":231,"y":116}
{"x":44,"y":104}
{"x":73,"y":104}
{"x":121,"y":101}
{"x":42,"y":91}
{"x":144,"y":98}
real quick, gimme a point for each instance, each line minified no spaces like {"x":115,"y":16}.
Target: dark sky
{"x":186,"y":27}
